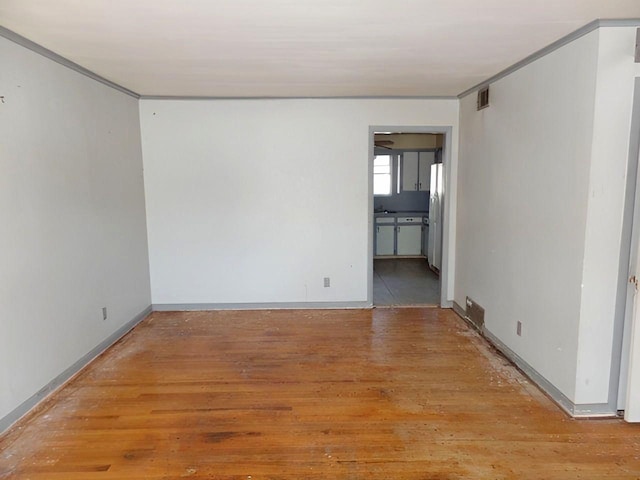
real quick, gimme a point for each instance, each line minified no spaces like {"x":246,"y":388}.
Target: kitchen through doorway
{"x":408,"y":201}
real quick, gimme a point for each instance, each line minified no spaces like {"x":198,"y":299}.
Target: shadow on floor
{"x":404,"y":281}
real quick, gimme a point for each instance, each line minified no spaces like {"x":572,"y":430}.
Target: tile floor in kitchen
{"x":404,"y":281}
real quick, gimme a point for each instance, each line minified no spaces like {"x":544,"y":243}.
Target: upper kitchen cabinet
{"x":416,"y":171}
{"x":426,"y":159}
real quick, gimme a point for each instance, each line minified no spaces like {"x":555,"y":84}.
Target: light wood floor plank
{"x":382,"y":394}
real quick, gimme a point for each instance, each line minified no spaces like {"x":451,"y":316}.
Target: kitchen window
{"x":382,"y":178}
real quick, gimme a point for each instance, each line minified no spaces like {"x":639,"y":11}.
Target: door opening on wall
{"x":407,"y":218}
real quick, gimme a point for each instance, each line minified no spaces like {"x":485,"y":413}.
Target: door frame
{"x":625,"y":325}
{"x":446,"y":273}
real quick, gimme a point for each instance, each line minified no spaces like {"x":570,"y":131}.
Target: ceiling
{"x":301,"y":48}
{"x":404,"y":141}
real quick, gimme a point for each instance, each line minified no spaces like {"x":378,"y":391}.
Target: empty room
{"x":319,"y":239}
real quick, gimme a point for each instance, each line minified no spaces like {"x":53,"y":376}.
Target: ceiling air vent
{"x":483,"y":98}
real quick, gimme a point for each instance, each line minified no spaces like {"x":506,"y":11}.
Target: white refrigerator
{"x":436,"y":209}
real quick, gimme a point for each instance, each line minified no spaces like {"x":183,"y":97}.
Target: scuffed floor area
{"x":310,"y":394}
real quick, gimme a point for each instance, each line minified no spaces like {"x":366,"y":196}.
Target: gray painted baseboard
{"x":575,"y":410}
{"x":580,"y":410}
{"x":177,"y":307}
{"x":7,"y":421}
{"x":463,"y":314}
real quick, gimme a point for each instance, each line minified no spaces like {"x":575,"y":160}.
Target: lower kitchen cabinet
{"x":409,"y":240}
{"x":399,"y":236}
{"x":425,"y":239}
{"x":385,"y":240}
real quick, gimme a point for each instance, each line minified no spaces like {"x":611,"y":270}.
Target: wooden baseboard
{"x":32,"y":404}
{"x":582,"y":411}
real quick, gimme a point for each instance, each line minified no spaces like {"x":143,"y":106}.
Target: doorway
{"x":407,"y":247}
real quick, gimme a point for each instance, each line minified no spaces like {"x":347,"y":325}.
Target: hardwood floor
{"x":382,"y":394}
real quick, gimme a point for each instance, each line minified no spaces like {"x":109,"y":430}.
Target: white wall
{"x":522,"y":206}
{"x":610,"y":150}
{"x":255,"y":201}
{"x":73,"y":219}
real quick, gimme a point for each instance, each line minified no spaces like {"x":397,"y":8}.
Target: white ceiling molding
{"x":34,"y":47}
{"x":311,"y":48}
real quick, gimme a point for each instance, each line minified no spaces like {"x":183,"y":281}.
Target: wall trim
{"x":629,"y":241}
{"x":582,"y":31}
{"x":596,"y":410}
{"x":556,"y":395}
{"x":39,"y":49}
{"x":45,"y":52}
{"x":345,"y":97}
{"x":28,"y":405}
{"x":462,"y":313}
{"x":181,"y":307}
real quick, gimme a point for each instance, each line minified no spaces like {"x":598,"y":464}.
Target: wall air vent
{"x":483,"y":98}
{"x":638,"y":45}
{"x":475,"y":314}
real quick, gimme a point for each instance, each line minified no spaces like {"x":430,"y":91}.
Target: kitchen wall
{"x":297,"y":215}
{"x":74,"y":235}
{"x":539,"y":222}
{"x":404,"y":201}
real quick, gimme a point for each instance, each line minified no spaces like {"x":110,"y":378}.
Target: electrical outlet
{"x":327,"y":282}
{"x":104,"y":313}
{"x":519,"y":328}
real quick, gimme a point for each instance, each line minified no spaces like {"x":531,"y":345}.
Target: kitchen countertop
{"x":401,"y":214}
